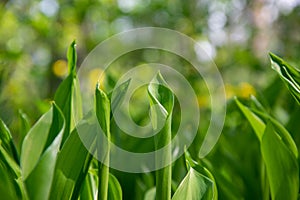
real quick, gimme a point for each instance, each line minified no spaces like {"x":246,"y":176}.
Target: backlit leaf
{"x":162,"y":102}
{"x":39,"y":181}
{"x":194,"y":186}
{"x":67,"y":96}
{"x":114,"y":188}
{"x":289,"y":74}
{"x":34,"y":143}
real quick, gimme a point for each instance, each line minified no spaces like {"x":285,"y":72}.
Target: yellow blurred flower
{"x":245,"y":90}
{"x":60,"y":68}
{"x":96,"y":76}
{"x":203,"y":101}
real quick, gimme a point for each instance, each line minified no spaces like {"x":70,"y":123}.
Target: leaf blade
{"x":67,"y":96}
{"x":281,"y":165}
{"x":114,"y":188}
{"x":162,"y":102}
{"x":39,"y":181}
{"x":34,"y":143}
{"x":7,"y":141}
{"x":193,"y":186}
{"x":73,"y":161}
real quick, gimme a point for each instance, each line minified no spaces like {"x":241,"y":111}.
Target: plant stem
{"x":164,"y":175}
{"x":103,"y":115}
{"x":162,"y":102}
{"x":103,"y":173}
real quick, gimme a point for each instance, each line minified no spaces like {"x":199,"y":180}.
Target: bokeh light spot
{"x":60,"y":68}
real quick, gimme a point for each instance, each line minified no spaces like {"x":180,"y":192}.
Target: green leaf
{"x":119,"y":94}
{"x":72,"y":57}
{"x":57,"y":125}
{"x":12,"y":179}
{"x":76,"y":102}
{"x":63,"y":98}
{"x":281,"y":165}
{"x":103,"y":116}
{"x":289,"y":74}
{"x":67,"y":96}
{"x":24,"y":128}
{"x":256,"y":123}
{"x":73,"y":161}
{"x":34,"y":143}
{"x":8,"y":161}
{"x":281,"y":130}
{"x":211,"y":191}
{"x":194,"y":186}
{"x":7,"y":142}
{"x":39,"y":181}
{"x":162,"y":102}
{"x":150,"y":194}
{"x":103,"y":110}
{"x":89,"y":188}
{"x":114,"y":188}
{"x":279,"y":152}
{"x":7,"y":186}
{"x":257,"y":116}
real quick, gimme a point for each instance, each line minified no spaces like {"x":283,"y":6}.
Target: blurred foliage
{"x":33,"y":37}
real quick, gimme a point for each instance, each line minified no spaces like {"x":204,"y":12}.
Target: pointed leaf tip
{"x":158,"y":79}
{"x":289,"y":74}
{"x":72,"y":57}
{"x":273,"y":56}
{"x":97,"y":85}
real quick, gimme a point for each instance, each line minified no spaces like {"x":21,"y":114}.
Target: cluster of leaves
{"x":51,"y":161}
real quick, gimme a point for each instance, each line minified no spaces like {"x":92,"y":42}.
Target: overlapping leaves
{"x":278,"y":150}
{"x":290,"y":75}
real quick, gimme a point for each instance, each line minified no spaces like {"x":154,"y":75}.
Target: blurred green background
{"x":238,"y":34}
